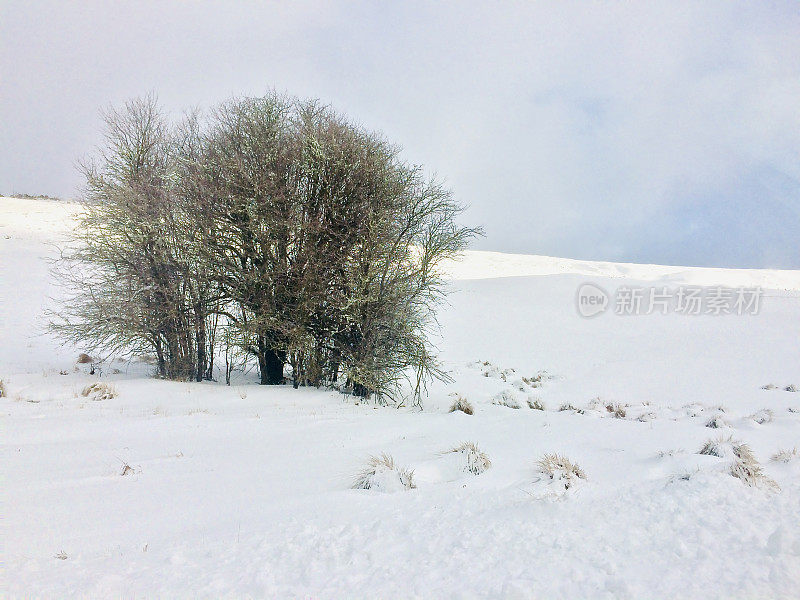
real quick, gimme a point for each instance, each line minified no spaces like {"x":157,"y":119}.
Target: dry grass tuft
{"x":558,"y":467}
{"x":764,"y":415}
{"x":379,"y":465}
{"x":616,"y":410}
{"x":506,"y":398}
{"x":749,"y":470}
{"x":743,"y":463}
{"x":461,"y":404}
{"x":99,"y":391}
{"x":717,"y":422}
{"x":84,"y":359}
{"x":535,"y":404}
{"x":477,"y":460}
{"x":3,"y":391}
{"x":538,"y":379}
{"x":722,"y":447}
{"x":785,"y":456}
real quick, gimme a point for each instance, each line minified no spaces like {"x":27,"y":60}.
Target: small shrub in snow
{"x":748,"y":469}
{"x":476,"y":461}
{"x":560,"y":468}
{"x":535,"y":404}
{"x":720,"y":447}
{"x":764,"y":415}
{"x":616,"y":410}
{"x":127,"y":470}
{"x":785,"y":456}
{"x":84,"y":359}
{"x":61,"y":555}
{"x":519,"y":385}
{"x":487,"y":369}
{"x":3,"y":392}
{"x":538,"y":379}
{"x":790,"y":388}
{"x":717,"y":422}
{"x":99,"y":391}
{"x":506,"y":398}
{"x":383,"y":474}
{"x":743,"y":464}
{"x":646,"y":417}
{"x":461,"y":404}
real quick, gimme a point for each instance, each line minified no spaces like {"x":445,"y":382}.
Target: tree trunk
{"x":360,"y":390}
{"x":275,"y":359}
{"x":334,"y":372}
{"x":201,"y":348}
{"x":162,"y":364}
{"x":270,"y":363}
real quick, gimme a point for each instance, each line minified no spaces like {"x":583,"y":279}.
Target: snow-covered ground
{"x":245,"y":491}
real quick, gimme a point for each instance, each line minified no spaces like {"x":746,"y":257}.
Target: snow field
{"x":169,"y":489}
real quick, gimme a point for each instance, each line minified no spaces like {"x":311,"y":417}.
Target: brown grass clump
{"x":749,"y":470}
{"x":785,"y":456}
{"x":616,"y":410}
{"x":3,"y":391}
{"x":378,"y":465}
{"x":743,"y":463}
{"x":535,"y":404}
{"x":99,"y":391}
{"x":84,"y":359}
{"x":506,"y":398}
{"x":477,"y":460}
{"x":560,"y":467}
{"x":461,"y":404}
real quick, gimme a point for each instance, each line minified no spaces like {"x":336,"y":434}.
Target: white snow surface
{"x":245,"y":491}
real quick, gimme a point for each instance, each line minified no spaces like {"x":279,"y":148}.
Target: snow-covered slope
{"x":245,"y":491}
{"x":478,"y":264}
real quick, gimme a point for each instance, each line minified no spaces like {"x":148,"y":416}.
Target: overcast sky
{"x":666,"y":133}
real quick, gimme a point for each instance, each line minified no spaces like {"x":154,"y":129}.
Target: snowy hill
{"x":245,"y":491}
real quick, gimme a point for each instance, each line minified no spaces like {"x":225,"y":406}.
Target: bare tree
{"x":303,"y":236}
{"x":127,"y":265}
